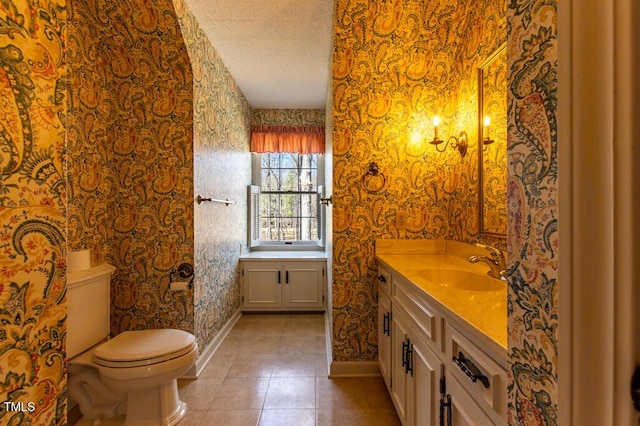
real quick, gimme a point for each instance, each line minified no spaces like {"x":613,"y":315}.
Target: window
{"x":285,"y":200}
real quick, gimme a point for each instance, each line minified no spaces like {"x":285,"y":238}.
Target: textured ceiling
{"x":278,"y":51}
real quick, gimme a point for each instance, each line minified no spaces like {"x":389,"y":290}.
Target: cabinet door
{"x":384,"y":337}
{"x":424,"y":383}
{"x":400,"y":382}
{"x":262,"y":285}
{"x":464,"y":409}
{"x":303,"y":285}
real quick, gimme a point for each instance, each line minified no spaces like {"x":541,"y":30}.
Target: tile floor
{"x":272,"y":370}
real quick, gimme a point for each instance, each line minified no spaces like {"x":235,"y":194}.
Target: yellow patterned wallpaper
{"x":396,"y":65}
{"x":33,"y":99}
{"x":288,"y":117}
{"x":131,"y":155}
{"x":222,"y":169}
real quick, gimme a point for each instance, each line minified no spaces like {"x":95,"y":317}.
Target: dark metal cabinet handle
{"x":286,"y":277}
{"x":405,"y":346}
{"x":279,"y":278}
{"x":470,"y":369}
{"x":409,"y":369}
{"x":382,"y":279}
{"x":385,"y":324}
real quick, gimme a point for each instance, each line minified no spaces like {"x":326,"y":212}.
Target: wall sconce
{"x":459,"y":143}
{"x":487,"y":122}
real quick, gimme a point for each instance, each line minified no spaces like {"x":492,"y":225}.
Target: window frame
{"x":256,"y":244}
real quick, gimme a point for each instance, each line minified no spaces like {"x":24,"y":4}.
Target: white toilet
{"x":133,"y":373}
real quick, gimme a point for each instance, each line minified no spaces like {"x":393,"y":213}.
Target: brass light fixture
{"x":459,"y":143}
{"x":486,"y":123}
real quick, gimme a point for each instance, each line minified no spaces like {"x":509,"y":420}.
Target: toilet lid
{"x":145,"y":345}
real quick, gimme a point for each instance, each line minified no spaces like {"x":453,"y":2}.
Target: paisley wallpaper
{"x":532,"y":193}
{"x":222,"y":169}
{"x":392,"y":72}
{"x":397,"y":64}
{"x":33,"y":98}
{"x":131,"y":155}
{"x":288,"y":117}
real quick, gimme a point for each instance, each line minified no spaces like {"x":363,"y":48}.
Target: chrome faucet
{"x":496,"y":261}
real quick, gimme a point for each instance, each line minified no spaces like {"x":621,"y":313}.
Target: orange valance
{"x":302,"y":140}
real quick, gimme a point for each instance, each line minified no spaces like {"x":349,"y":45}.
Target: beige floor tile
{"x":263,"y":345}
{"x":193,"y":418}
{"x":198,"y":394}
{"x":340,"y":393}
{"x":322,"y":365}
{"x":294,"y":365}
{"x":344,"y":417}
{"x":251,"y":365}
{"x":289,"y":417}
{"x":383,"y":417}
{"x":291,"y":392}
{"x":377,"y":394}
{"x":114,"y":421}
{"x":240,"y":394}
{"x":218,"y":366}
{"x":321,"y":345}
{"x":305,"y":344}
{"x":231,"y":418}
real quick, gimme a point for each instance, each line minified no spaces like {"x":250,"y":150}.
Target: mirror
{"x":492,"y":144}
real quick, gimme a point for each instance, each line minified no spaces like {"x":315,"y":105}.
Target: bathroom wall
{"x":288,"y":117}
{"x":396,"y":65}
{"x":33,"y":94}
{"x":222,"y":169}
{"x":131,"y":155}
{"x":532,"y":193}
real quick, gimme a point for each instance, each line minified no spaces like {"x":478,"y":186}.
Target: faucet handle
{"x":495,"y":253}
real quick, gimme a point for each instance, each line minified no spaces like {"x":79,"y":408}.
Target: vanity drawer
{"x":384,"y":280}
{"x":427,"y":320}
{"x":490,"y":390}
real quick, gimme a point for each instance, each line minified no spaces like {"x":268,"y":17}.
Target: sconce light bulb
{"x":487,"y":121}
{"x":436,"y":121}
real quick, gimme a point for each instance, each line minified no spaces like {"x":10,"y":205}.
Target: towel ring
{"x":373,"y":173}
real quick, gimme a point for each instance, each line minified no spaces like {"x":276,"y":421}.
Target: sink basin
{"x":461,"y":280}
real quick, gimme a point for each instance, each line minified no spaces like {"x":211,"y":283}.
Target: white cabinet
{"x":415,"y":373}
{"x":283,"y":285}
{"x":427,"y":385}
{"x":384,"y":328}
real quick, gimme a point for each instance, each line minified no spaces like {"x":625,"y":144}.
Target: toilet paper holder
{"x":181,"y":278}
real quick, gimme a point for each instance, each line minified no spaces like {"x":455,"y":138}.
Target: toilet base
{"x":153,"y":407}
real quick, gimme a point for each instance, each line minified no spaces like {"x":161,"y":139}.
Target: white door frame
{"x":599,"y":197}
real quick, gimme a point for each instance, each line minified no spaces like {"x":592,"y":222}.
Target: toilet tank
{"x":88,"y":304}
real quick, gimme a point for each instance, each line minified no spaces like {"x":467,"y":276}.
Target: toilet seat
{"x":143,"y":347}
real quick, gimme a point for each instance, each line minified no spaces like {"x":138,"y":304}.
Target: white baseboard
{"x":343,"y":369}
{"x":328,"y":332}
{"x":211,"y":348}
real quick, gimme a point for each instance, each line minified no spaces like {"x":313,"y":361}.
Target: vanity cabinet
{"x":384,"y":335}
{"x":283,"y":285}
{"x":415,"y":373}
{"x":427,"y":385}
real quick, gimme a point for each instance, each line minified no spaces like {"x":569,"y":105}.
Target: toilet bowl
{"x":134,"y":373}
{"x":140,"y":369}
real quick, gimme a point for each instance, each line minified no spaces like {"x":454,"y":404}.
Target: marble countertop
{"x":483,"y":313}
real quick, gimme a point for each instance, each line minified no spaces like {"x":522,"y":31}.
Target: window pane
{"x":292,"y":215}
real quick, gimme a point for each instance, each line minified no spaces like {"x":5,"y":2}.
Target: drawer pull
{"x":470,"y":369}
{"x":405,"y":359}
{"x":382,"y":279}
{"x":385,"y":323}
{"x":409,"y":368}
